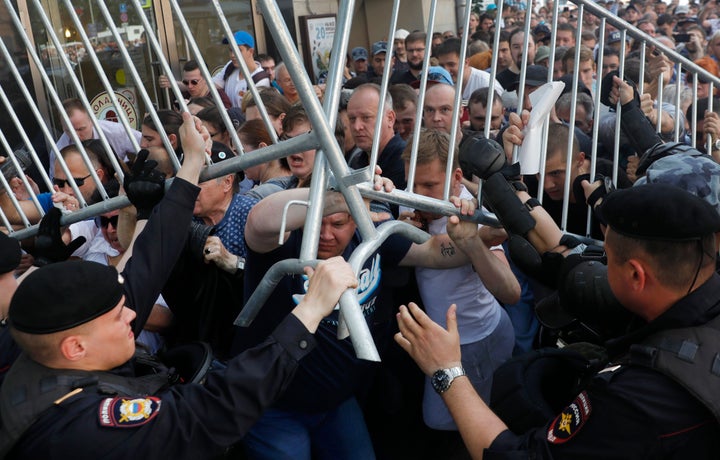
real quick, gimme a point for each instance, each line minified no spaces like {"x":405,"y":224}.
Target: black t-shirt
{"x":332,"y":372}
{"x":403,"y":77}
{"x":507,"y":78}
{"x":390,"y":160}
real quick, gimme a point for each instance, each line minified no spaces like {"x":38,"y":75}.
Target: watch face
{"x":440,"y":381}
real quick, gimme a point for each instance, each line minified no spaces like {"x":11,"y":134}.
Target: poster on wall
{"x":318,"y":32}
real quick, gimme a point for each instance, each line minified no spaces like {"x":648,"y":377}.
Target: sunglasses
{"x":102,"y":221}
{"x":191,"y":82}
{"x":80,"y":181}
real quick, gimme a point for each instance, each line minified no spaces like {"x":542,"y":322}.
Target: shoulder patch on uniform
{"x":571,"y":419}
{"x":122,"y":412}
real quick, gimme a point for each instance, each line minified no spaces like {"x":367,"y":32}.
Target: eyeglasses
{"x":193,"y":82}
{"x":102,"y":221}
{"x":80,"y":181}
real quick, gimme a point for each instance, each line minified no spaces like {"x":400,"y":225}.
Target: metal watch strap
{"x":457,"y":371}
{"x":451,"y":374}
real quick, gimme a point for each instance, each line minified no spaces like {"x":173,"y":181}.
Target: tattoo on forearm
{"x":447,"y":251}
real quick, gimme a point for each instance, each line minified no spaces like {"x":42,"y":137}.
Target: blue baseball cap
{"x":242,"y":38}
{"x":379,"y":47}
{"x":359,"y":53}
{"x":436,"y":74}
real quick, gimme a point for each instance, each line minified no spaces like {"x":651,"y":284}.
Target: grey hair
{"x":565,"y":101}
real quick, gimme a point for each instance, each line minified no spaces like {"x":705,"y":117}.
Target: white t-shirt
{"x":479,"y":79}
{"x":235,"y":85}
{"x":478,"y":312}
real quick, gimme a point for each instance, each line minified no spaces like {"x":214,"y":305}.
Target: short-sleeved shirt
{"x":231,"y":229}
{"x":235,"y":86}
{"x":480,"y":79}
{"x":332,"y":372}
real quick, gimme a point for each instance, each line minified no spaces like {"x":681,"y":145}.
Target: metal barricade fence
{"x":644,"y":44}
{"x":330,"y":165}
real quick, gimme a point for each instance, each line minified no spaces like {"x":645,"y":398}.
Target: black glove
{"x":144,"y":185}
{"x":49,"y":246}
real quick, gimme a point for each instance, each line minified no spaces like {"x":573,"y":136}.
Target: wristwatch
{"x":443,"y":378}
{"x":716,"y":145}
{"x":240,"y":263}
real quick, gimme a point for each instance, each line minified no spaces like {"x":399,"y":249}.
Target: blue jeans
{"x":336,"y":434}
{"x":480,"y":359}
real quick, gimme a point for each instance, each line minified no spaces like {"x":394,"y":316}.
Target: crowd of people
{"x":117,"y":333}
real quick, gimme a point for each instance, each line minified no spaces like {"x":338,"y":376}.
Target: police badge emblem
{"x":121,"y":412}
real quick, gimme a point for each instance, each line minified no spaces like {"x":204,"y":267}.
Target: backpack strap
{"x":258,"y":77}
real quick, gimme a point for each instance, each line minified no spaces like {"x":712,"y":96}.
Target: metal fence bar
{"x":108,"y":87}
{"x":573,"y":106}
{"x":350,"y":308}
{"x":493,"y":72}
{"x":190,"y":40}
{"x":457,"y":105}
{"x":78,"y":87}
{"x":421,"y":96}
{"x":137,"y":79}
{"x":330,"y":158}
{"x":375,"y":150}
{"x":155,"y":46}
{"x":53,"y":94}
{"x":246,"y":74}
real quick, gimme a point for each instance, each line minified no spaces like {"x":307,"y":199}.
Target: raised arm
{"x":158,"y":246}
{"x":490,"y":265}
{"x":265,"y":218}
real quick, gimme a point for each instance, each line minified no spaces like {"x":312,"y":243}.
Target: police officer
{"x":10,"y":255}
{"x":73,"y":389}
{"x":655,"y":402}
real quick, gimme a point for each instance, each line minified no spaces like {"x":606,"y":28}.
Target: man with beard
{"x":415,"y":49}
{"x":508,"y":76}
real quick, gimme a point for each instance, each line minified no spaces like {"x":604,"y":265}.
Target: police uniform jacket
{"x":631,"y":411}
{"x":118,"y":415}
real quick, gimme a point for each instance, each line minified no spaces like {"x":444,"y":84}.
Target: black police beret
{"x":659,"y":212}
{"x":9,"y":253}
{"x":64,"y":295}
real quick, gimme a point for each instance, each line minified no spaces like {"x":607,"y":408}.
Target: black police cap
{"x":10,"y":253}
{"x":659,"y":212}
{"x":64,"y":295}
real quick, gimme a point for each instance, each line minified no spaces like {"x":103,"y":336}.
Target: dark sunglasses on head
{"x":80,"y":181}
{"x":102,"y":221}
{"x":191,"y":82}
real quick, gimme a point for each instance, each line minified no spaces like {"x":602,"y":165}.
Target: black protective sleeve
{"x":637,"y":128}
{"x":157,"y":249}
